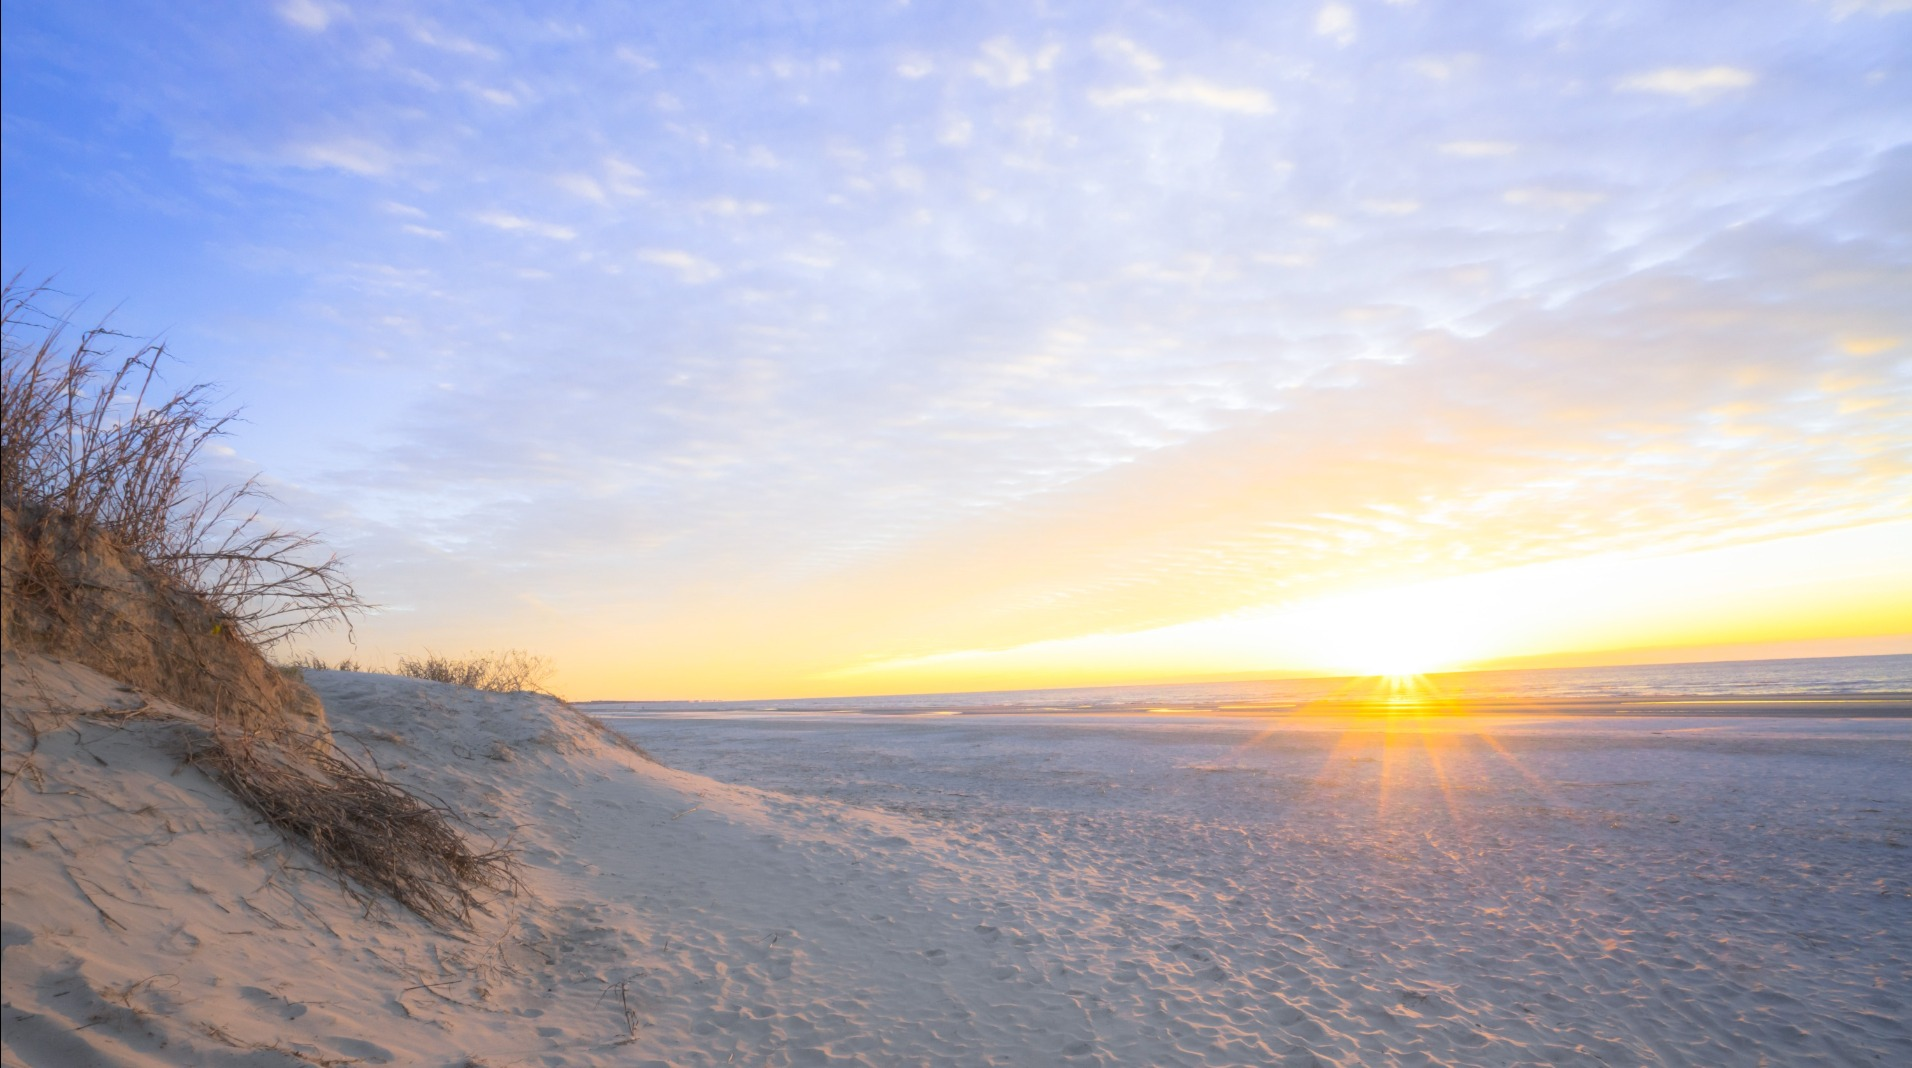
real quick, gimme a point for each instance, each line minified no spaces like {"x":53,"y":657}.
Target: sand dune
{"x":670,"y":918}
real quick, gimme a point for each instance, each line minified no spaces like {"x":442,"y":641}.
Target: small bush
{"x":511,"y":671}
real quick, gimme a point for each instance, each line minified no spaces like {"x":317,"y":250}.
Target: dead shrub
{"x":359,"y":824}
{"x":512,"y":671}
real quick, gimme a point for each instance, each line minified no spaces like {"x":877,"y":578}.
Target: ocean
{"x":1817,"y":685}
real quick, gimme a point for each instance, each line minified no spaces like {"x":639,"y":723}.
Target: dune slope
{"x":664,"y":918}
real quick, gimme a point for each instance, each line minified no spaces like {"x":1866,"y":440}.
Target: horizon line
{"x":1240,"y":678}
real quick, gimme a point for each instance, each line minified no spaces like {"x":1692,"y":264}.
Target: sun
{"x":1388,"y":660}
{"x":1384,"y":635}
{"x":1394,"y":657}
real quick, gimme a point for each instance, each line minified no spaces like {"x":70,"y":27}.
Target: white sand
{"x":983,"y":891}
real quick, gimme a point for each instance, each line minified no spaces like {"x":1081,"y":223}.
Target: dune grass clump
{"x":360,"y":825}
{"x":512,"y":671}
{"x":315,"y":662}
{"x":91,"y":438}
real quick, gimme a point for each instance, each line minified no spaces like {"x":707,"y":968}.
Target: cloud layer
{"x":734,"y":345}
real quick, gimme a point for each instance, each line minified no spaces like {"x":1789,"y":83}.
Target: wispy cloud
{"x":731,"y":207}
{"x":690,"y":268}
{"x":1336,"y":22}
{"x":582,"y":186}
{"x":634,"y":58}
{"x":1443,"y":68}
{"x":1693,"y":83}
{"x":1156,"y":88}
{"x":311,"y":15}
{"x":1479,"y":149}
{"x":1846,"y":8}
{"x":353,"y":155}
{"x":1187,"y":91}
{"x":506,"y":221}
{"x":503,"y":98}
{"x":437,"y":37}
{"x":1128,"y":52}
{"x":1005,"y":65}
{"x":1567,"y":200}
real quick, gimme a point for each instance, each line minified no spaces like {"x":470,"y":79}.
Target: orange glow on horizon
{"x":1845,"y":586}
{"x":1845,"y":592}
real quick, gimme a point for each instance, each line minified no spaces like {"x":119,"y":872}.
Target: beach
{"x":1475,"y":890}
{"x":957,"y":890}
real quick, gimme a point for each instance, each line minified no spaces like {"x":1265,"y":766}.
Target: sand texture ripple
{"x":1465,"y":892}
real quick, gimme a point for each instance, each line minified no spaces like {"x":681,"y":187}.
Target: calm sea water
{"x":1825,"y":678}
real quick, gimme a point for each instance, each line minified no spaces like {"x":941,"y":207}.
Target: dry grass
{"x":74,"y":592}
{"x":92,"y":438}
{"x":315,"y":662}
{"x":360,"y":825}
{"x":117,"y":553}
{"x":512,"y":671}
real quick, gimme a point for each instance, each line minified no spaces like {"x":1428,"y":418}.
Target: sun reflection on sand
{"x":1407,"y":716}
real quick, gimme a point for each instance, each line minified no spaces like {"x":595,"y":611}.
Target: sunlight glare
{"x":1396,"y":633}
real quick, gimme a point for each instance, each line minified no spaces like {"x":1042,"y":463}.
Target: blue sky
{"x":810,"y":334}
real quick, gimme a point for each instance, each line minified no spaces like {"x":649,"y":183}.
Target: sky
{"x":777,"y":349}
